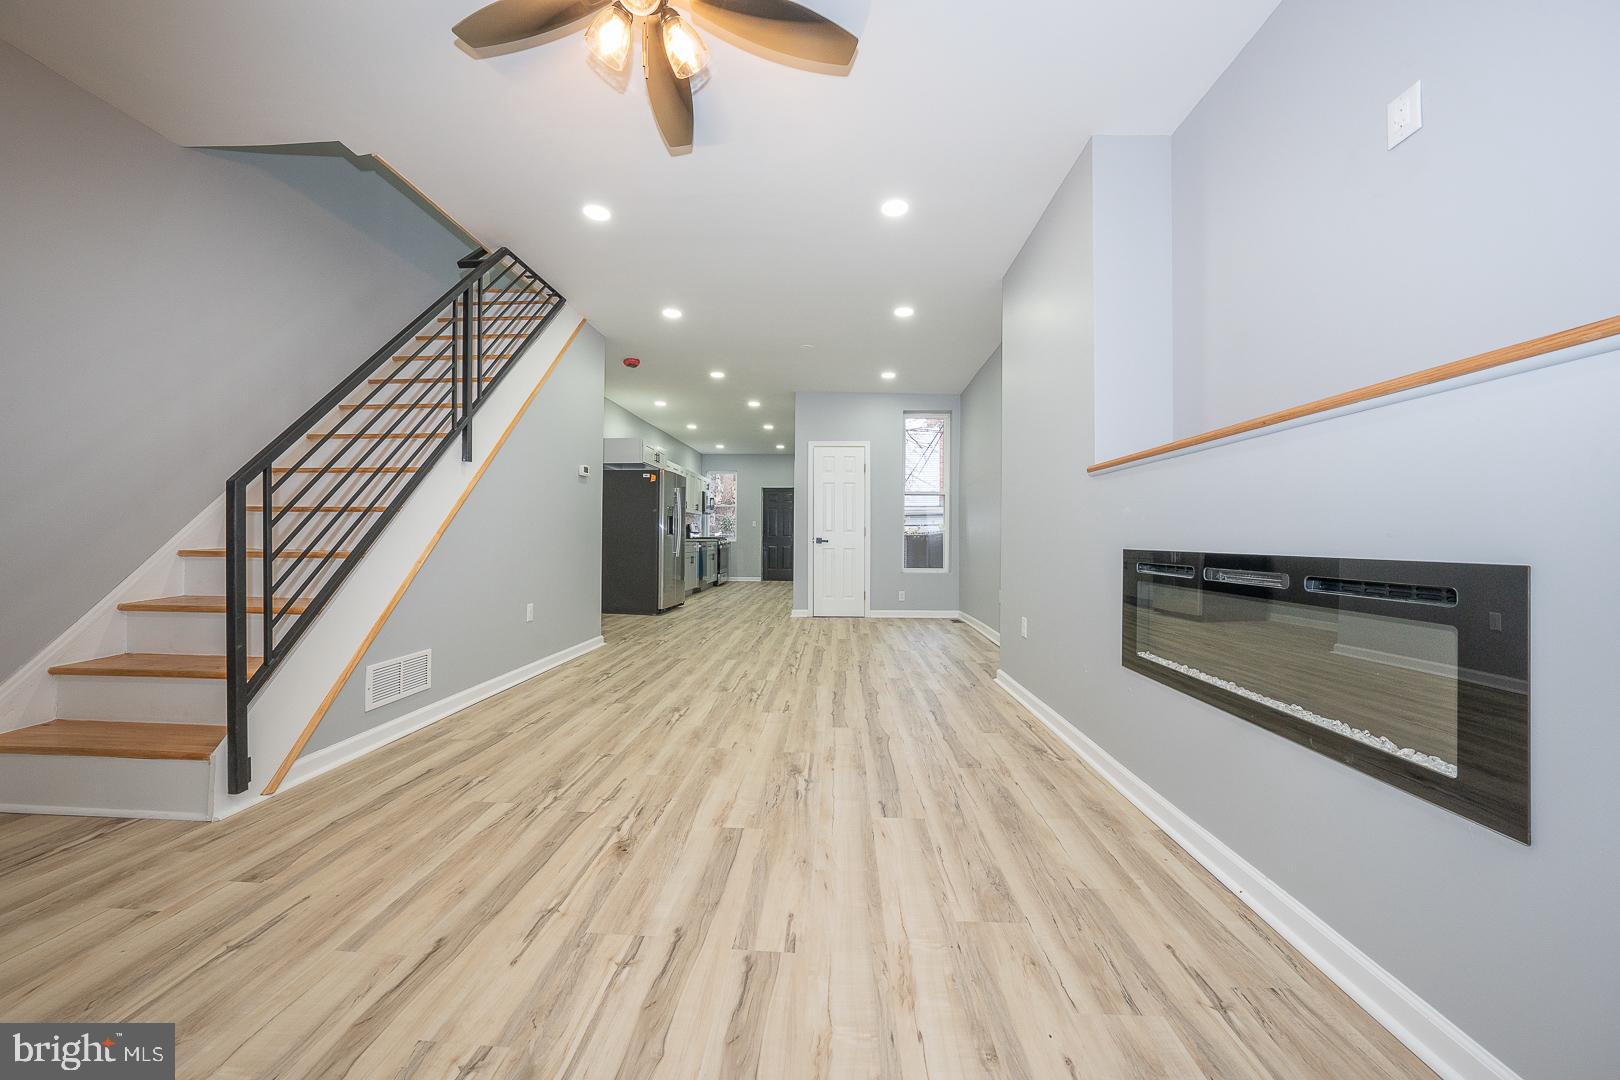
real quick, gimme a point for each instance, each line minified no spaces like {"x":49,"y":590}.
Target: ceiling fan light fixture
{"x":686,"y":51}
{"x":608,"y":36}
{"x":642,"y":7}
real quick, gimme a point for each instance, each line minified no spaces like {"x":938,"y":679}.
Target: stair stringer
{"x":316,"y":669}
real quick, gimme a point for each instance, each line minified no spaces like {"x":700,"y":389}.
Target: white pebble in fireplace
{"x":1377,"y":742}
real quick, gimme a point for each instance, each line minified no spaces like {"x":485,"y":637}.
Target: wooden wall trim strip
{"x":383,"y":163}
{"x":416,"y":568}
{"x":1473,"y":365}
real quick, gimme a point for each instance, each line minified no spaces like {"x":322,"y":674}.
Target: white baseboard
{"x":328,"y":758}
{"x":1442,"y":1045}
{"x":992,"y":636}
{"x":92,"y":811}
{"x":982,"y":627}
{"x":745,"y":579}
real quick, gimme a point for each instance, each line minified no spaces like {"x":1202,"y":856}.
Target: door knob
{"x":821,"y":540}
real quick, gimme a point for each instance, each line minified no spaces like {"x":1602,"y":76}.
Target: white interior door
{"x":838,"y":522}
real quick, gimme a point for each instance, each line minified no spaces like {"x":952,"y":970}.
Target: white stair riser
{"x":206,"y":577}
{"x":117,"y":786}
{"x":181,"y":701}
{"x":338,"y":490}
{"x":191,"y":632}
{"x":303,"y":532}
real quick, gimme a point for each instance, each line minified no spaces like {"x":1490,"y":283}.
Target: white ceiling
{"x":767,"y":236}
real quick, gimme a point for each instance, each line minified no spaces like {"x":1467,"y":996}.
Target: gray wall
{"x":166,"y":313}
{"x":1294,"y":298}
{"x":620,"y":423}
{"x":531,"y":532}
{"x":1133,"y":329}
{"x":980,"y":515}
{"x":755,"y":472}
{"x":878,"y":419}
{"x":1495,"y":223}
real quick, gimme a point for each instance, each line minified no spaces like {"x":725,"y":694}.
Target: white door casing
{"x":840,"y":503}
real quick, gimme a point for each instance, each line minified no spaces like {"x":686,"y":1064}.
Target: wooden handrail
{"x":1473,"y":365}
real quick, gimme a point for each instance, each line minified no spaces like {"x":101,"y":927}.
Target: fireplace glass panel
{"x":1389,"y":683}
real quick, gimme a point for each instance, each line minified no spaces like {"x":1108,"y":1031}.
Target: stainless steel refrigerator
{"x":643,"y":553}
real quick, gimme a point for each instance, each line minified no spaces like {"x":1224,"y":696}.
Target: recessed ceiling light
{"x":753,"y":404}
{"x":770,"y":427}
{"x":719,"y":446}
{"x":596,"y":212}
{"x":672,"y":313}
{"x":888,"y":374}
{"x":691,"y":427}
{"x":904,"y":311}
{"x":659,"y":404}
{"x":895,"y":208}
{"x":781,"y":446}
{"x":717,"y":374}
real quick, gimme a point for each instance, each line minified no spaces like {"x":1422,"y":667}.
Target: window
{"x":927,"y":490}
{"x":723,"y":519}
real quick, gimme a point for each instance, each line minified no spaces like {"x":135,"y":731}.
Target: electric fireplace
{"x":1416,"y":673}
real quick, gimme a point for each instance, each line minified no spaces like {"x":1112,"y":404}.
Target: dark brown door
{"x":776,"y":560}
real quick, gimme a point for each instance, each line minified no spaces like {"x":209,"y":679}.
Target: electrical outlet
{"x":1023,"y":626}
{"x":528,"y":614}
{"x":1405,"y":114}
{"x":902,"y":595}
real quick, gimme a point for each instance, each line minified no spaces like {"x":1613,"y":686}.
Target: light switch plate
{"x":1023,"y":627}
{"x":1406,"y":114}
{"x":528,"y":614}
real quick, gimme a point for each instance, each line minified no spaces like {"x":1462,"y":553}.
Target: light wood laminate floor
{"x":729,"y":843}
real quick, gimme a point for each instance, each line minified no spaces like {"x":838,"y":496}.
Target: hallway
{"x":729,"y":843}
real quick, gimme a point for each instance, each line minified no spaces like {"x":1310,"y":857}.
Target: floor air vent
{"x":398,"y":678}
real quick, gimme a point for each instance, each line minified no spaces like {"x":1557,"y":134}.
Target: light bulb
{"x":643,"y":7}
{"x":608,"y":37}
{"x":686,"y":51}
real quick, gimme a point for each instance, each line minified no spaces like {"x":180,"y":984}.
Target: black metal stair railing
{"x":324,"y":496}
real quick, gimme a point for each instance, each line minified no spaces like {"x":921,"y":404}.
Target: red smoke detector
{"x":632,"y":362}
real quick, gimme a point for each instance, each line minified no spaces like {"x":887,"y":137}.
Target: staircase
{"x":173,"y":704}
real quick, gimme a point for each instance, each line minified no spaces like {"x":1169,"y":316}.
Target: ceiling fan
{"x":671,"y":51}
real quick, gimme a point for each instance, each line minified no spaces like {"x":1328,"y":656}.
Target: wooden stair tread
{"x":438,"y":433}
{"x":372,"y":469}
{"x":212,"y":605}
{"x":258,"y":553}
{"x":503,"y":316}
{"x":509,"y":334}
{"x":111,"y":738}
{"x":301,"y":509}
{"x":407,"y":358}
{"x":153,"y":666}
{"x":439,"y":380}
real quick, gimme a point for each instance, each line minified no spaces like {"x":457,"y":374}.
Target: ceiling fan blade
{"x":671,"y":98}
{"x":780,"y":26}
{"x":506,"y":21}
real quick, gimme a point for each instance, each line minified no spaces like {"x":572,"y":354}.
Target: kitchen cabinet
{"x":694,"y":494}
{"x":693,"y":583}
{"x":631,"y":452}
